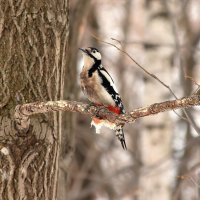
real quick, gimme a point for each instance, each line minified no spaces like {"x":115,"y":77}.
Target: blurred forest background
{"x":163,"y":157}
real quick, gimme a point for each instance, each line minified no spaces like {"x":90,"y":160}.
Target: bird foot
{"x":96,"y":105}
{"x":90,"y":104}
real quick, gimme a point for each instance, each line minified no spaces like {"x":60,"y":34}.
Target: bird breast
{"x":92,"y":87}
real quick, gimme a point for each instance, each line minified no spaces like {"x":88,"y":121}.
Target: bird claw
{"x":90,"y":104}
{"x":96,"y":114}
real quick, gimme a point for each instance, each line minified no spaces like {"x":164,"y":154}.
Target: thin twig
{"x":140,"y":66}
{"x":192,"y":79}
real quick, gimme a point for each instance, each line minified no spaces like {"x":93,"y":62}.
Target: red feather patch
{"x":114,"y":109}
{"x":111,"y":108}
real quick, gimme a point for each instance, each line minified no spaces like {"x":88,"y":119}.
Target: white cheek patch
{"x":97,"y":55}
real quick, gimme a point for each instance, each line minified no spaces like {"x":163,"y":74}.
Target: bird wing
{"x":110,"y":87}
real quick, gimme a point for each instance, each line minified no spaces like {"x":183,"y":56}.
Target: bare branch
{"x":22,"y":112}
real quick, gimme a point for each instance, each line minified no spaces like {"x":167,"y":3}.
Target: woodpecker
{"x":98,"y":86}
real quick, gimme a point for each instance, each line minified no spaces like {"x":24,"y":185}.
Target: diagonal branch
{"x":23,"y":112}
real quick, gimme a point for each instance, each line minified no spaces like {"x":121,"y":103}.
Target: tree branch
{"x":23,"y":112}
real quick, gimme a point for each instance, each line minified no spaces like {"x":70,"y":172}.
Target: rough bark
{"x":33,"y":47}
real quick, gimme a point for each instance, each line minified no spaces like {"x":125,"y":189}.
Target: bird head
{"x":91,"y":53}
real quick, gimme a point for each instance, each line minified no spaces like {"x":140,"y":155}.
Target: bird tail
{"x":120,"y":135}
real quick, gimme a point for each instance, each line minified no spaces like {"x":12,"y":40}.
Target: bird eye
{"x":94,"y":51}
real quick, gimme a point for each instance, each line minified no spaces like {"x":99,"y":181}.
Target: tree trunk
{"x":187,"y":59}
{"x":33,"y":47}
{"x":157,"y":134}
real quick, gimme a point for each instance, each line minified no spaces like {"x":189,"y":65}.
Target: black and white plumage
{"x":98,"y":86}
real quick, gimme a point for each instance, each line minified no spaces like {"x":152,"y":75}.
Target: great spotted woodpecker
{"x":98,"y":86}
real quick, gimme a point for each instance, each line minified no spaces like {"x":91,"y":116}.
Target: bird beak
{"x":84,"y":50}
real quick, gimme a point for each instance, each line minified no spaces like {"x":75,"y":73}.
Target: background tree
{"x":156,"y":34}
